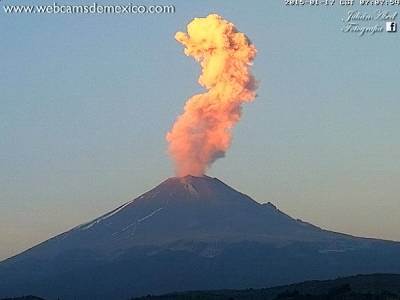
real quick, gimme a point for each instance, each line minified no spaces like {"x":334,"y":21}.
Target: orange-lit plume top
{"x":202,"y":133}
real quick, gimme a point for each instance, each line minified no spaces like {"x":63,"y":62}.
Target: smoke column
{"x":202,"y":133}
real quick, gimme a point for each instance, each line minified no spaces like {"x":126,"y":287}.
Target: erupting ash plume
{"x":202,"y":133}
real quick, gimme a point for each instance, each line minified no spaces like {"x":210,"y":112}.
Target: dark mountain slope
{"x":189,"y":233}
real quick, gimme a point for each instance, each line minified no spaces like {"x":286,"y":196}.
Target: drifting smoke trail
{"x":202,"y":133}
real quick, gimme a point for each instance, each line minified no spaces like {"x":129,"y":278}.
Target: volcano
{"x":189,"y":233}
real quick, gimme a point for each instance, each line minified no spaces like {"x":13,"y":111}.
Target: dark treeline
{"x":24,"y":298}
{"x":340,"y":293}
{"x":360,"y":287}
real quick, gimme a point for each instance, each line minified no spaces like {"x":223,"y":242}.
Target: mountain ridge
{"x":184,"y":234}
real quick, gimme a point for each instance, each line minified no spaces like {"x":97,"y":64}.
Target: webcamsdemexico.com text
{"x":93,"y":8}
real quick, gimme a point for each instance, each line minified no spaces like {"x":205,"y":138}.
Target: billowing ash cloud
{"x":202,"y":133}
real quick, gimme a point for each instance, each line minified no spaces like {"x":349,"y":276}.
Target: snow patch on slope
{"x":134,"y":225}
{"x":90,"y":224}
{"x":191,"y":189}
{"x":150,"y":215}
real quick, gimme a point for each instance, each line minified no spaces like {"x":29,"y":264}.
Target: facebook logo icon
{"x":391,"y":26}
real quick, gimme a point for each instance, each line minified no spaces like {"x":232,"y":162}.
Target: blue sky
{"x":86,"y":101}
